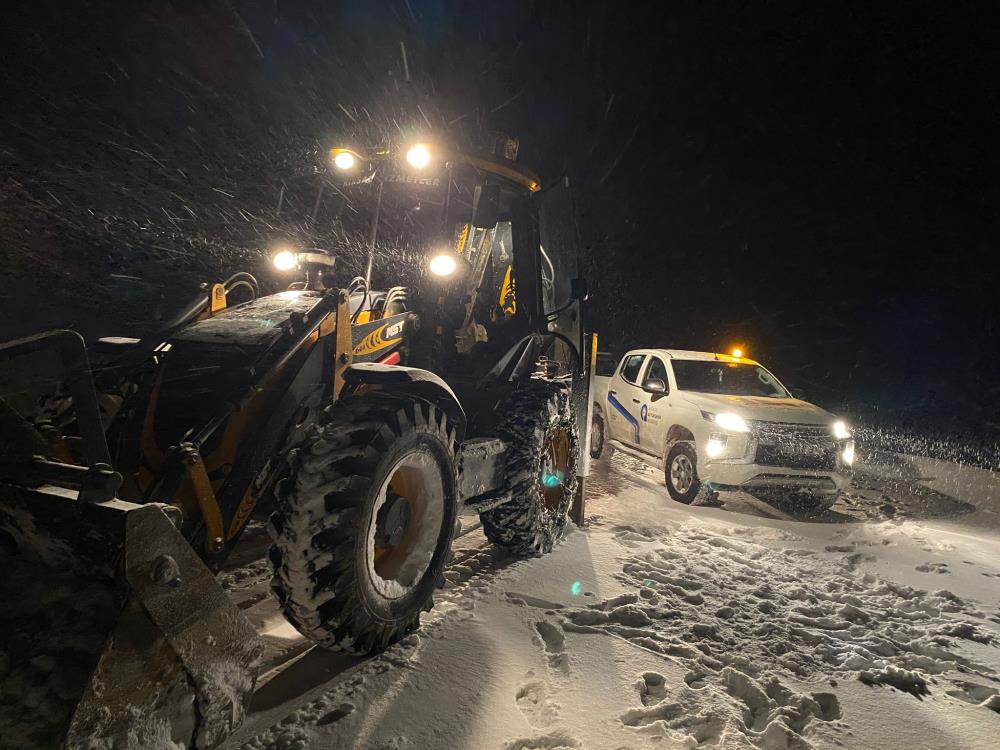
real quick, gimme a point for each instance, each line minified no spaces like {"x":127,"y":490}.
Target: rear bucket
{"x":113,"y":633}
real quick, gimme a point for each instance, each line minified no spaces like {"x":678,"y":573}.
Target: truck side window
{"x":656,"y":371}
{"x":631,"y":367}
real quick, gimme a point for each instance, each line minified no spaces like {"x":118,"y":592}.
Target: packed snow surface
{"x":751,"y":625}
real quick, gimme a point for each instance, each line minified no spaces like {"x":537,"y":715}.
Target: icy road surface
{"x":875,"y":624}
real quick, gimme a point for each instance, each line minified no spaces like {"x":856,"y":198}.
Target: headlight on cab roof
{"x":728,"y":421}
{"x":840,"y":430}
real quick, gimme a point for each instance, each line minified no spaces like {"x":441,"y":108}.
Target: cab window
{"x":631,"y":367}
{"x":656,"y":371}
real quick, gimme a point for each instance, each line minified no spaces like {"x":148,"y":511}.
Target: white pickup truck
{"x":717,"y":422}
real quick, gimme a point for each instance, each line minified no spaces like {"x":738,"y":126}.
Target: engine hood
{"x":758,"y":407}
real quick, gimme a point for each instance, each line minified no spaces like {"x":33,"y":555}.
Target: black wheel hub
{"x":392,"y":519}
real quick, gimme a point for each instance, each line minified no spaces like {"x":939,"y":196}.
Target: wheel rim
{"x":681,"y":473}
{"x":412,"y":495}
{"x":555,"y":469}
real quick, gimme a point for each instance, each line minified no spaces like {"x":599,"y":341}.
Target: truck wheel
{"x":596,"y":437}
{"x":364,"y":522}
{"x":539,"y":471}
{"x":681,"y":470}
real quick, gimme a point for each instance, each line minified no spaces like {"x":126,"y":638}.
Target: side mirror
{"x":578,"y":289}
{"x":654,"y":385}
{"x":797,"y":393}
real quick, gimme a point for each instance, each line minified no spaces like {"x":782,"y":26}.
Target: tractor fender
{"x":420,"y":383}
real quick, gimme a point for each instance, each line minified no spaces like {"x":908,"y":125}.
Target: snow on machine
{"x":362,"y":418}
{"x":716,"y":422}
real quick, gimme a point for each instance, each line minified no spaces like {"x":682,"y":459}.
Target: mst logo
{"x":379,"y":339}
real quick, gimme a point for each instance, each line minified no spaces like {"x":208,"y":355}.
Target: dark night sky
{"x":819,"y":183}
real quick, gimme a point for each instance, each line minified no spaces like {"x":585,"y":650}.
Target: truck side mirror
{"x":797,"y":393}
{"x":654,"y":385}
{"x":578,"y":289}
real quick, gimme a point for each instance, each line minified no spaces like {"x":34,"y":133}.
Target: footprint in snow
{"x":538,"y":708}
{"x":839,"y":547}
{"x":933,"y":567}
{"x":553,"y":641}
{"x":652,"y":688}
{"x":336,"y":714}
{"x":551,"y":741}
{"x":971,"y":692}
{"x":695,"y":680}
{"x":527,"y":600}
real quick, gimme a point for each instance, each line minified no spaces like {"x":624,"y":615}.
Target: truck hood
{"x":790,"y":410}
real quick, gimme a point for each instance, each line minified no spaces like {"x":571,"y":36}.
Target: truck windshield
{"x":726,"y":378}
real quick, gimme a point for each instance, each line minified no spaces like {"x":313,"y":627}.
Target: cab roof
{"x":703,"y":356}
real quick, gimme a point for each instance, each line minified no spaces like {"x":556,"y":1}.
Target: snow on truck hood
{"x":762,"y":408}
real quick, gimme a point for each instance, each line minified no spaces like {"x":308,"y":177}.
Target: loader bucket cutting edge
{"x":113,"y":633}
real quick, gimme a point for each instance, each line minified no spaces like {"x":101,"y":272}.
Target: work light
{"x":418,"y":156}
{"x":443,"y":264}
{"x":344,"y":159}
{"x":285,"y":260}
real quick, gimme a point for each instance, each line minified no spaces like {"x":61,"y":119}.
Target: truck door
{"x":654,"y":407}
{"x":623,"y":400}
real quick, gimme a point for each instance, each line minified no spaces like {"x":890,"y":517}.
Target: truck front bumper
{"x":757,"y":460}
{"x":755,"y":476}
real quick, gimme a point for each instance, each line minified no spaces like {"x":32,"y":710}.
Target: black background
{"x":815,"y":182}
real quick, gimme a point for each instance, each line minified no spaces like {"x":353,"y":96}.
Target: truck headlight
{"x":728,"y":421}
{"x":847,"y":455}
{"x":716,"y":445}
{"x":840,"y":430}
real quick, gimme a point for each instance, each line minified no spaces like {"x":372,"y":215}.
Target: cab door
{"x":624,"y":400}
{"x":654,"y":407}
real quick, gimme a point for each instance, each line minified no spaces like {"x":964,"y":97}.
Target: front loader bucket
{"x":113,"y":633}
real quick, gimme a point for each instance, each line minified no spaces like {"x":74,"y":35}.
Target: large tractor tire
{"x":364,"y":522}
{"x":539,"y":471}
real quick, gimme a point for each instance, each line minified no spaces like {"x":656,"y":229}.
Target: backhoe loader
{"x":360,"y":418}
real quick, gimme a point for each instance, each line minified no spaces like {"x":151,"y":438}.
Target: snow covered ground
{"x":875,"y":624}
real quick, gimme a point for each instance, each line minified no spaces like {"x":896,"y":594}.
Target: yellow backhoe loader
{"x":361,"y":418}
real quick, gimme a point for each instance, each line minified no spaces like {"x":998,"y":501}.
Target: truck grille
{"x":795,"y":446}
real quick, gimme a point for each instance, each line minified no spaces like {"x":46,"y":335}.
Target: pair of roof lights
{"x":419,"y":156}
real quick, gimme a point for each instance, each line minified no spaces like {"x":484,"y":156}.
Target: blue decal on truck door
{"x":625,"y":413}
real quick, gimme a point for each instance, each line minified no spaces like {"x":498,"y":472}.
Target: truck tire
{"x":539,"y":470}
{"x":597,"y":436}
{"x":681,"y":473}
{"x":364,"y":522}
